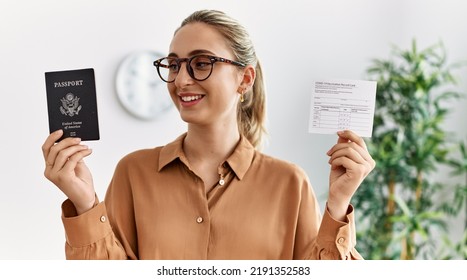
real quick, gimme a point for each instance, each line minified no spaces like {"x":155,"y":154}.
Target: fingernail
{"x":328,"y":152}
{"x":340,"y":132}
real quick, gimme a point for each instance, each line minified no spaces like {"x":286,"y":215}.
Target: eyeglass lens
{"x":199,"y":68}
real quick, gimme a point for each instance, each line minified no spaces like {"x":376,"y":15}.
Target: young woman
{"x":210,"y":194}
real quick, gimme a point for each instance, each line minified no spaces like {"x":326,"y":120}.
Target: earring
{"x":242,"y":94}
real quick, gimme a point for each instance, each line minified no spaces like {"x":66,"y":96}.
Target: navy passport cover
{"x":72,"y":104}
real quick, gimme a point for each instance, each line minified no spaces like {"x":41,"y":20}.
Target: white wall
{"x":297,"y":41}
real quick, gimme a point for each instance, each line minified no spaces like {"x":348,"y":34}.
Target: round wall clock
{"x":139,"y":88}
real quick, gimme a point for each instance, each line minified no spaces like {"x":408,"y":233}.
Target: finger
{"x":64,"y":156}
{"x":348,"y":135}
{"x":341,"y":162}
{"x":55,"y":149}
{"x":362,"y":151}
{"x":351,"y":166}
{"x":75,"y":159}
{"x":50,"y":141}
{"x":350,"y":153}
{"x":351,"y":150}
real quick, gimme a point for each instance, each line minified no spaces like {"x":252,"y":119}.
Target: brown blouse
{"x":156,"y":207}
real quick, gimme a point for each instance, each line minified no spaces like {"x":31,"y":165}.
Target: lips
{"x":190,"y":99}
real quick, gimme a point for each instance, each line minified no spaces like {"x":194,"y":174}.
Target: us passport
{"x":72,"y":103}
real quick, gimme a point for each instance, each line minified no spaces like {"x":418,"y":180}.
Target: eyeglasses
{"x":199,"y":67}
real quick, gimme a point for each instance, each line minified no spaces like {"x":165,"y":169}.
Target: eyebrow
{"x":194,"y":52}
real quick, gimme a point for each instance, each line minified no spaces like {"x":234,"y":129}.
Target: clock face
{"x":139,"y":88}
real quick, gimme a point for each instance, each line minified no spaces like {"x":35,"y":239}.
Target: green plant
{"x":399,"y":204}
{"x":456,"y":205}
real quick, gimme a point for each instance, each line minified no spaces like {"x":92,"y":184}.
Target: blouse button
{"x":103,"y":219}
{"x":199,"y":220}
{"x":341,"y":240}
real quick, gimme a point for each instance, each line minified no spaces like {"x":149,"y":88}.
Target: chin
{"x":195,"y":119}
{"x":190,"y":117}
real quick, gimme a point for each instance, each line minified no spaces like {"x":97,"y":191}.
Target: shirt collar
{"x":242,"y":157}
{"x":240,"y":160}
{"x":171,"y":152}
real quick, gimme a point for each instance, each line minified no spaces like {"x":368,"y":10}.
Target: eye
{"x":172,"y":65}
{"x":201,"y":63}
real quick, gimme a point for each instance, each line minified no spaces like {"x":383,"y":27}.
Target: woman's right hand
{"x":64,"y":166}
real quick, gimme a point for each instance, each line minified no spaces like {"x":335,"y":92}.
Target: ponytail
{"x":251,"y":112}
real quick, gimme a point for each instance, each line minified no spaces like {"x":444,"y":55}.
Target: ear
{"x":248,"y":78}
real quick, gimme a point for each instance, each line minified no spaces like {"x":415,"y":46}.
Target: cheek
{"x":231,"y":79}
{"x":173,"y":94}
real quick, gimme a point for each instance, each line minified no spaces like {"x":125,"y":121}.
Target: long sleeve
{"x":107,"y":231}
{"x":337,"y":240}
{"x":89,"y":235}
{"x":321,"y":238}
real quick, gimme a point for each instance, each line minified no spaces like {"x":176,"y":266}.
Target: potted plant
{"x":399,"y":209}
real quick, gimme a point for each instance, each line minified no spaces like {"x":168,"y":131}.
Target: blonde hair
{"x":251,"y":113}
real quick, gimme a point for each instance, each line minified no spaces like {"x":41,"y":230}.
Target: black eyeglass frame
{"x":188,"y":60}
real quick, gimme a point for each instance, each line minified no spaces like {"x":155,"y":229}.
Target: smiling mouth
{"x":191,"y":98}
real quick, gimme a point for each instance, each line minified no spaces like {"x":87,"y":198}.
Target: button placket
{"x":222,"y":170}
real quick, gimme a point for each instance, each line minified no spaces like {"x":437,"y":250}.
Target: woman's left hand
{"x":350,"y":164}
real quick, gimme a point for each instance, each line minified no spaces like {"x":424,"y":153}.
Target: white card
{"x":342,"y":105}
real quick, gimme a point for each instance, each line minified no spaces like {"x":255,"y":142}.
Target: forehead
{"x":199,"y":36}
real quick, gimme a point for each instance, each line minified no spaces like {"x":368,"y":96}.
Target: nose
{"x":183,"y":77}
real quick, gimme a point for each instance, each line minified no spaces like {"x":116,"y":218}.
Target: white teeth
{"x":191,"y":98}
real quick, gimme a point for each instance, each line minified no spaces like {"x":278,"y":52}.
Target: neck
{"x":210,"y":143}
